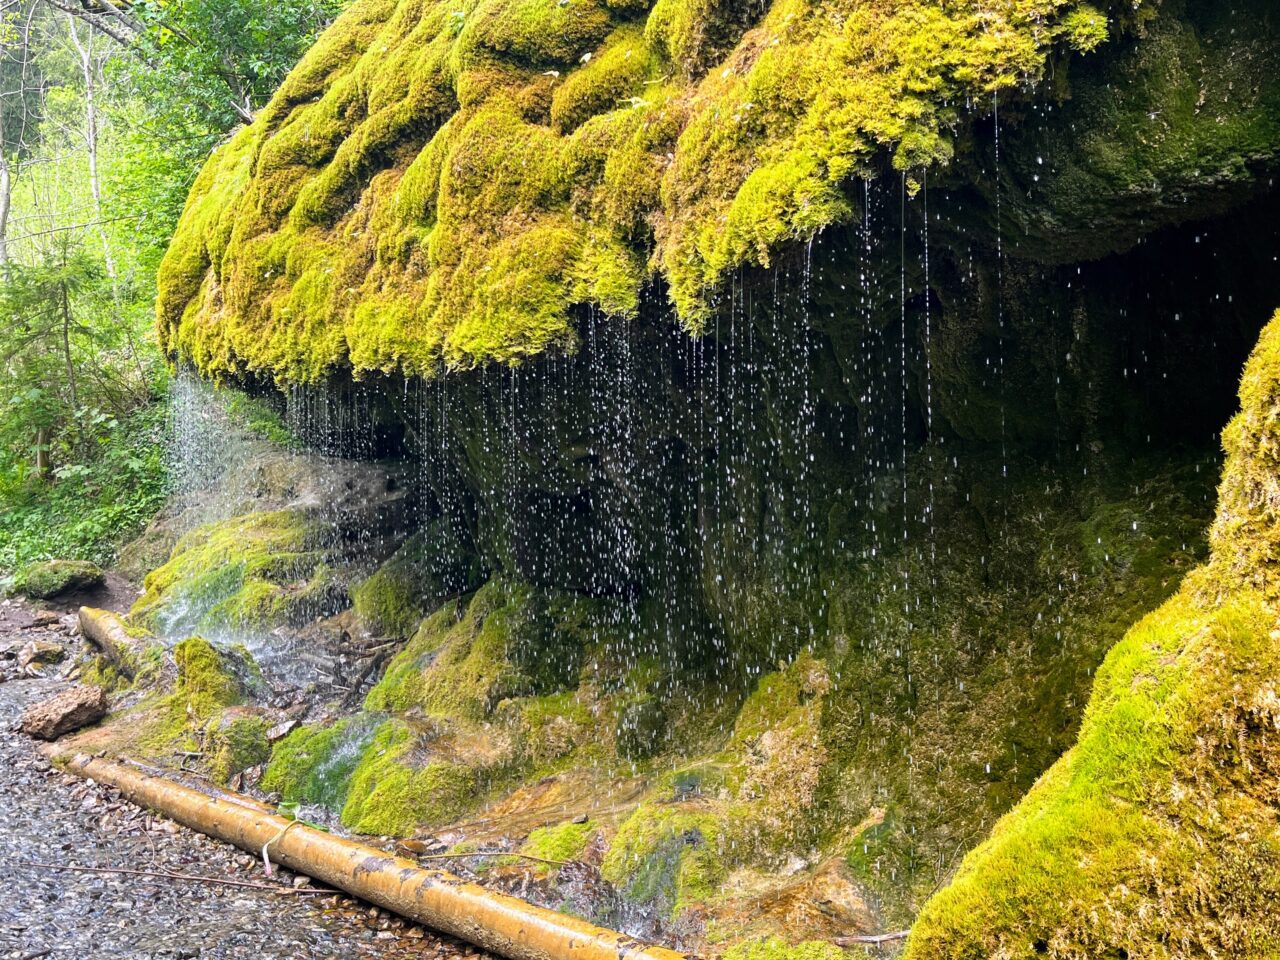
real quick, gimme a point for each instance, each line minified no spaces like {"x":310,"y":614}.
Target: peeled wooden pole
{"x":501,"y":924}
{"x":107,"y":632}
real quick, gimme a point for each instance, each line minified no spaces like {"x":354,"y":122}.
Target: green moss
{"x":430,"y":565}
{"x":249,"y":573}
{"x":51,"y":578}
{"x":208,"y":681}
{"x":235,"y":744}
{"x":259,"y":417}
{"x":458,"y":664}
{"x":314,"y":764}
{"x":774,"y":948}
{"x":669,"y":856}
{"x":1158,"y":826}
{"x":392,"y":796}
{"x":442,"y":183}
{"x":614,"y":75}
{"x":566,"y":841}
{"x":388,"y":603}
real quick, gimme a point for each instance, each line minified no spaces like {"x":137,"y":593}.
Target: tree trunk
{"x":44,"y":469}
{"x":6,"y":202}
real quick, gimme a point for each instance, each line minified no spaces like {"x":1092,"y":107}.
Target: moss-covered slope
{"x":441,"y":182}
{"x":1157,"y":834}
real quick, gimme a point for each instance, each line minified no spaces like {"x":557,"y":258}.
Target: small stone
{"x":281,"y":730}
{"x":68,"y":711}
{"x":40,"y":653}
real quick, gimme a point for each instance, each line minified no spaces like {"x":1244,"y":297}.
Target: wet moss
{"x":235,"y":743}
{"x":565,"y":841}
{"x":669,"y":856}
{"x":1156,"y":830}
{"x":249,"y":573}
{"x":774,"y":948}
{"x":391,"y":795}
{"x":208,"y":681}
{"x":415,"y":194}
{"x":314,"y":764}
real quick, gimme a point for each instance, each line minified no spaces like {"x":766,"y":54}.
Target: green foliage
{"x":199,"y":69}
{"x":94,"y":505}
{"x":671,"y":856}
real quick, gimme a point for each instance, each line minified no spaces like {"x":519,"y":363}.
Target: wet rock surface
{"x":50,"y":818}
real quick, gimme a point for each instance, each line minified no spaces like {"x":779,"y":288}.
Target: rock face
{"x":65,"y":713}
{"x":45,"y":581}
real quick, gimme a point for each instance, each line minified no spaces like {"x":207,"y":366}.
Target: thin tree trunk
{"x":89,"y":72}
{"x":43,"y":468}
{"x":66,"y":353}
{"x":6,"y":204}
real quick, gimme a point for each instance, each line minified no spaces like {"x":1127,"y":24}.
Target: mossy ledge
{"x":438,"y":184}
{"x":1156,"y":834}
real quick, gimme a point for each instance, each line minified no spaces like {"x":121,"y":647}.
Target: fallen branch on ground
{"x":870,"y":938}
{"x":166,"y":875}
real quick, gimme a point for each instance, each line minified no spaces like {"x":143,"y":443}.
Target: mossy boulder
{"x":236,"y":741}
{"x":430,"y":566}
{"x":45,"y":581}
{"x":376,"y":773}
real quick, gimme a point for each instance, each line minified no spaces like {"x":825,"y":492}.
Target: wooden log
{"x":109,"y":635}
{"x":493,"y":921}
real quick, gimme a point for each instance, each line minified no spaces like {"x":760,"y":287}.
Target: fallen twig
{"x":490,"y":853}
{"x":870,"y":938}
{"x":166,"y":875}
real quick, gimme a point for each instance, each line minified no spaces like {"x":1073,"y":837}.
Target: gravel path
{"x":49,"y":817}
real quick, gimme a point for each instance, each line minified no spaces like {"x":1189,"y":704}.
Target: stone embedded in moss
{"x":43,"y":581}
{"x":415,"y":194}
{"x":236,"y":741}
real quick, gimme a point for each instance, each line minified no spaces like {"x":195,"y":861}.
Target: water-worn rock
{"x":65,"y":712}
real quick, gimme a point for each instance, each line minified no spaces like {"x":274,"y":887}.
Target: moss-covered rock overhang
{"x":440,"y":183}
